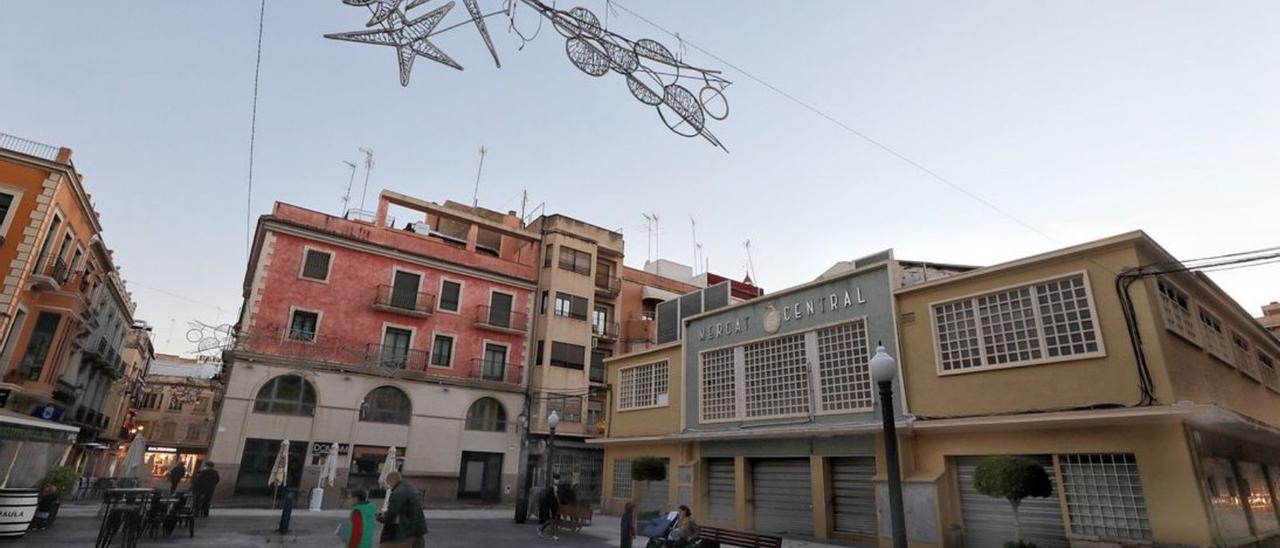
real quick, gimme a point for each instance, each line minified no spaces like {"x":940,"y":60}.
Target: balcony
{"x":50,"y":276}
{"x":640,"y":330}
{"x":606,"y":330}
{"x":391,"y":357}
{"x":502,"y":321}
{"x":491,"y":370}
{"x":608,"y":286}
{"x":407,"y":302}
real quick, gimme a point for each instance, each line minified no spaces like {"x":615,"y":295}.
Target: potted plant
{"x":647,"y":470}
{"x":55,"y":485}
{"x":1013,"y":479}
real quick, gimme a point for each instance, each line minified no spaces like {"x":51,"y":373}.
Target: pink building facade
{"x":367,"y":333}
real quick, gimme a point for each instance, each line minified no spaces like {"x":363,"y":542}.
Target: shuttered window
{"x":315,"y":265}
{"x":569,"y":356}
{"x":575,"y":261}
{"x":450,"y":296}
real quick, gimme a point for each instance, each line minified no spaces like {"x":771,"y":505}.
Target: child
{"x":628,"y":524}
{"x":360,"y":532}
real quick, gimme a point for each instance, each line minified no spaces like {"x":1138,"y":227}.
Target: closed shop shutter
{"x":653,"y":494}
{"x":853,"y":494}
{"x":988,"y":521}
{"x":783,"y":497}
{"x":721,"y":495}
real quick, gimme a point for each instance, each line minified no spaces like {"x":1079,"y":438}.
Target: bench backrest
{"x":740,"y":538}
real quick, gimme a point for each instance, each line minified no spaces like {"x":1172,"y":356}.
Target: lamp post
{"x":522,"y":474}
{"x":553,"y":420}
{"x":883,"y":370}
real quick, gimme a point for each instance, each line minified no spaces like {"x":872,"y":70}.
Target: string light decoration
{"x":652,"y":73}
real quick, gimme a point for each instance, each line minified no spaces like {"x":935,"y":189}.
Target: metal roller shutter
{"x":783,"y":496}
{"x":720,"y":499}
{"x":988,"y":521}
{"x":653,"y":495}
{"x":853,"y":494}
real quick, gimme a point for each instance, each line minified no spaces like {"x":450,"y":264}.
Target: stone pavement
{"x":77,"y":526}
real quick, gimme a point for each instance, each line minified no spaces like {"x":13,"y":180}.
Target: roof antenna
{"x":475,"y":196}
{"x":346,"y":198}
{"x":697,"y":247}
{"x":751,"y":267}
{"x":368,"y":166}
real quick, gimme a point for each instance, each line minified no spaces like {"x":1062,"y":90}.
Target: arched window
{"x":386,"y":404}
{"x":488,"y":415}
{"x":286,"y":395}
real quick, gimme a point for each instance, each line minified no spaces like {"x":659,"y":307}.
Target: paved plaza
{"x":77,"y":526}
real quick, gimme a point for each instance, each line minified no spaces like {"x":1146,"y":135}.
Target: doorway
{"x":480,"y":477}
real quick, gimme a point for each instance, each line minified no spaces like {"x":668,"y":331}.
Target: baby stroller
{"x":659,"y":532}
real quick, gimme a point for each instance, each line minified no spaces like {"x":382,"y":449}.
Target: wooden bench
{"x":739,"y":538}
{"x":574,"y":518}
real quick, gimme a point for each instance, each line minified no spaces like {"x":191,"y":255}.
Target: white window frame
{"x":453,"y":349}
{"x":656,"y":395}
{"x":7,"y":221}
{"x":462,"y":291}
{"x":302,"y":267}
{"x":1093,"y":308}
{"x":289,"y":327}
{"x":413,"y":336}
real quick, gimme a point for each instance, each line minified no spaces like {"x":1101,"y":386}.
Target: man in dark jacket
{"x":549,"y":512}
{"x":176,"y":474}
{"x":403,"y":524}
{"x":202,"y":486}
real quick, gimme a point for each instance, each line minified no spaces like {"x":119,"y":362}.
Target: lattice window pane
{"x":1008,"y":327}
{"x":843,"y":377}
{"x":1176,"y":308}
{"x":1104,"y":496}
{"x":1215,"y":337}
{"x":641,"y":386}
{"x":719,"y":386}
{"x":1068,"y":322}
{"x":777,"y":377}
{"x":957,"y":336}
{"x":622,"y":478}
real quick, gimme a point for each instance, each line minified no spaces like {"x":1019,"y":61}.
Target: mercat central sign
{"x":793,"y":311}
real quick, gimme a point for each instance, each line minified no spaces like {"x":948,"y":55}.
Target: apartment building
{"x":1270,"y":318}
{"x":176,"y":412}
{"x":576,"y":328}
{"x":58,"y":285}
{"x":366,"y":332}
{"x":1152,"y":399}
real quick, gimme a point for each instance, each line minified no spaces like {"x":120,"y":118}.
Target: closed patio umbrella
{"x":134,"y":457}
{"x":388,"y":466}
{"x":280,"y":469}
{"x":329,"y":472}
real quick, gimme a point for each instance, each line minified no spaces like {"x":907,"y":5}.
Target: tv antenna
{"x":475,"y":195}
{"x":346,"y":198}
{"x":368,"y":166}
{"x":697,"y":247}
{"x":651,"y":220}
{"x":751,"y":267}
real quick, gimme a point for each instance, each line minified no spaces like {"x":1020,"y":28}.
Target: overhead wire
{"x":253,"y":133}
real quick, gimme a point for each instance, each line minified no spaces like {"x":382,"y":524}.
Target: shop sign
{"x":48,"y":412}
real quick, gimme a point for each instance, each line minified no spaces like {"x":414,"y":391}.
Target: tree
{"x":648,"y":470}
{"x":1013,"y":479}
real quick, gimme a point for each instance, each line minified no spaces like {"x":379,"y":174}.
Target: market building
{"x":175,"y":413}
{"x":1147,"y":393}
{"x":364,"y":333}
{"x":764,"y":409}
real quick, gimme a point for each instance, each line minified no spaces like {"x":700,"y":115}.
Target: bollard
{"x":286,"y":512}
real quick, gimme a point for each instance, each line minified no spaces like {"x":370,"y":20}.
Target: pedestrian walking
{"x":176,"y":474}
{"x":403,"y":524}
{"x":203,"y":483}
{"x":628,"y":524}
{"x":360,"y":531}
{"x":549,"y":512}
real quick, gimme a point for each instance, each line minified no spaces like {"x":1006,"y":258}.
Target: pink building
{"x":368,"y":333}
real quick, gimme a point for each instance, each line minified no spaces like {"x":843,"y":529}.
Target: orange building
{"x":55,"y":265}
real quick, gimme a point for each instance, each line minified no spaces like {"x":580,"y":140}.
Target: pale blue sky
{"x":1084,"y":119}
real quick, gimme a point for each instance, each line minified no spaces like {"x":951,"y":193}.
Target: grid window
{"x":315,"y":265}
{"x":1215,"y":338}
{"x":1049,"y":320}
{"x":844,"y":380}
{"x":1104,"y":496}
{"x":719,"y":385}
{"x":303,"y":326}
{"x":622,"y":478}
{"x":568,"y":407}
{"x":777,"y":377}
{"x":1066,"y":318}
{"x":642,"y":386}
{"x":957,"y":336}
{"x":1009,"y":333}
{"x":1259,"y":497}
{"x":1176,"y":307}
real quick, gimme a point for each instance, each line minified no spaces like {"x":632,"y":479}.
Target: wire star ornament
{"x":651,"y":72}
{"x":410,"y":38}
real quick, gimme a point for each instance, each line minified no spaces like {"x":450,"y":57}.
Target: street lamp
{"x":883,"y":370}
{"x":553,"y":420}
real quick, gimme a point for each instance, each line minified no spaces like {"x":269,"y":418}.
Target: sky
{"x":1079,"y":119}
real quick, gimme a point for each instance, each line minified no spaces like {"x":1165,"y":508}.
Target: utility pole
{"x":475,"y":195}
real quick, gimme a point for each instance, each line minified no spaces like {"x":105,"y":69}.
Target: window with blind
{"x":315,"y":265}
{"x":575,"y":261}
{"x":643,"y":386}
{"x":1037,"y":323}
{"x":569,"y":356}
{"x":571,"y":306}
{"x":450,"y":296}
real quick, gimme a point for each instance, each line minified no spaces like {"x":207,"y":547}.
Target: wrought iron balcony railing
{"x":504,"y":320}
{"x":493,"y":370}
{"x":405,"y":301}
{"x":605,"y":330}
{"x":608,"y":285}
{"x":394,"y":357}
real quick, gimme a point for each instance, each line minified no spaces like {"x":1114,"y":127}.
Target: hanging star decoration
{"x":652,"y":73}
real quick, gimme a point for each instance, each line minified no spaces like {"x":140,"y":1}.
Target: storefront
{"x":29,"y":447}
{"x":258,"y":458}
{"x":159,"y":460}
